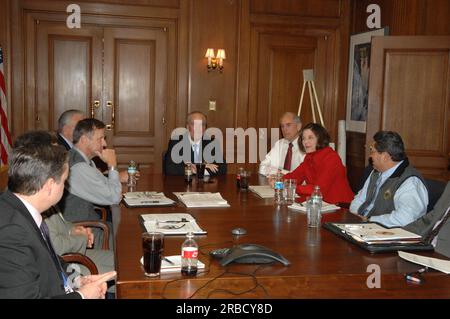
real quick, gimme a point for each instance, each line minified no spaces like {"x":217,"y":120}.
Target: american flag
{"x":5,"y":141}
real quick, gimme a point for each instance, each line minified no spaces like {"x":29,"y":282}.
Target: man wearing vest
{"x":394,"y":194}
{"x":86,"y":185}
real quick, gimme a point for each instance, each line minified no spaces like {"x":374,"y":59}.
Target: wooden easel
{"x":308,"y":77}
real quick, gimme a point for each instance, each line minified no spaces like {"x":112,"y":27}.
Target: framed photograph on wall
{"x":358,"y":79}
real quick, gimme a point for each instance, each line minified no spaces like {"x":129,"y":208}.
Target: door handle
{"x":113,"y":116}
{"x":94,"y":105}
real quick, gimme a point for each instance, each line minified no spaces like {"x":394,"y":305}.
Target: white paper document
{"x":263,"y":191}
{"x":201,"y":199}
{"x":140,"y":199}
{"x":173,"y":264}
{"x":171,"y":224}
{"x":373,"y":233}
{"x":435,"y":263}
{"x":326,"y":207}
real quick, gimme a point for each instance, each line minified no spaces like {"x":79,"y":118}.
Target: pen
{"x":413,"y":279}
{"x":169,"y":261}
{"x":149,"y":201}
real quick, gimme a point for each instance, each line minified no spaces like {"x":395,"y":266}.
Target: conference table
{"x":322,"y":265}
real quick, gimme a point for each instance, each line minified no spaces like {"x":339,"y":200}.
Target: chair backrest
{"x":3,"y":178}
{"x":435,"y":190}
{"x":367,"y":170}
{"x":164,"y":162}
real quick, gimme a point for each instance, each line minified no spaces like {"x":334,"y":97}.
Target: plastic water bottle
{"x":316,"y":197}
{"x":314,"y":208}
{"x":189,"y":256}
{"x":132,"y":169}
{"x":279,"y":185}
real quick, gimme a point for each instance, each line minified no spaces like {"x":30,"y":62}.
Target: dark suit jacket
{"x":424,"y":225}
{"x":172,"y":168}
{"x":62,"y":142}
{"x":27,"y":269}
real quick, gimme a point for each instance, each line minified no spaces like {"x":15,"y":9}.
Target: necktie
{"x":288,"y":159}
{"x":197,"y":158}
{"x":435,"y":231}
{"x":46,"y":234}
{"x":375,"y":180}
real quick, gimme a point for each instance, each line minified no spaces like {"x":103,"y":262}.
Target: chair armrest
{"x":97,"y":224}
{"x":81,"y":259}
{"x":102,"y":211}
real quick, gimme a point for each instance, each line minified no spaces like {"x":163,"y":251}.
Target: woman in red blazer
{"x":322,"y":166}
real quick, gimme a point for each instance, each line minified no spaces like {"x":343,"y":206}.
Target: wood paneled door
{"x":410,"y":93}
{"x":117,"y":74}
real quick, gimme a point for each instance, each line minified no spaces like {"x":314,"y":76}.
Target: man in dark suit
{"x":193,"y":146}
{"x":435,"y":225}
{"x":29,"y":266}
{"x":66,"y":124}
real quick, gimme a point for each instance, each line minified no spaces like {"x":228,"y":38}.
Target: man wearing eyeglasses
{"x":394,"y":194}
{"x":194,"y":146}
{"x":285,"y":155}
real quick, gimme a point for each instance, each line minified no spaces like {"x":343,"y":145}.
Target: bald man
{"x":285,"y":154}
{"x":194,"y":146}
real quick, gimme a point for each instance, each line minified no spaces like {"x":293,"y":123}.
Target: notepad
{"x":326,"y":207}
{"x":146,"y":199}
{"x":373,"y":233}
{"x":167,"y":267}
{"x":171,"y":224}
{"x":263,"y":191}
{"x":201,"y":199}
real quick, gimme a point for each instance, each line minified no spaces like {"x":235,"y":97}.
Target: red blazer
{"x":324,"y":168}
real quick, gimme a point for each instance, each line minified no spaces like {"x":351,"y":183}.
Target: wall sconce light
{"x":215,"y":61}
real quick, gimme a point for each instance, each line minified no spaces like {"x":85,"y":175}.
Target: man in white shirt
{"x":394,"y":194}
{"x":285,"y":154}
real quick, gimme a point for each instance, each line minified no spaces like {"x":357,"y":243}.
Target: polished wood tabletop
{"x":322,"y":264}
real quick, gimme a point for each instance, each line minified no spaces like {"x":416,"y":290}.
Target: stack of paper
{"x":326,"y":207}
{"x":173,"y":264}
{"x":143,"y":199}
{"x":372,"y":233}
{"x":202,"y":199}
{"x":435,"y":263}
{"x":263,"y":191}
{"x":171,"y":224}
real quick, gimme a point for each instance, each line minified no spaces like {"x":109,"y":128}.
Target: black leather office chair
{"x":164,"y":162}
{"x":435,"y":190}
{"x":367,"y":170}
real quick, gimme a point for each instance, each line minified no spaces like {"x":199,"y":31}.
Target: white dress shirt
{"x":275,"y":158}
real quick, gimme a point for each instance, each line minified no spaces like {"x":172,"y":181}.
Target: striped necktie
{"x":46,"y":234}
{"x":437,"y":227}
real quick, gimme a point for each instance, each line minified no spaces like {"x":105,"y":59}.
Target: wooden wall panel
{"x":71,"y":75}
{"x":410,"y":93}
{"x":135,"y":86}
{"x":403,"y":17}
{"x":415,"y":88}
{"x":152,"y":3}
{"x":305,"y":8}
{"x":213,"y":25}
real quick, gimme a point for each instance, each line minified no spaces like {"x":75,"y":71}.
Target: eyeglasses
{"x":372,"y":148}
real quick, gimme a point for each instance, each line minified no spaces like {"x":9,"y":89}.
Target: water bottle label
{"x":278,"y":185}
{"x":190,"y":252}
